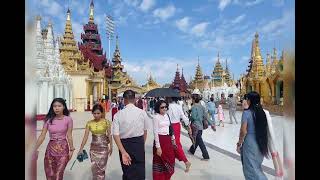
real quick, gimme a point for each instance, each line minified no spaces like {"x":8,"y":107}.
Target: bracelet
{"x":72,"y":149}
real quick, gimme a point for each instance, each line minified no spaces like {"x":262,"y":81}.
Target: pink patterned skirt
{"x":56,"y":159}
{"x":99,"y":156}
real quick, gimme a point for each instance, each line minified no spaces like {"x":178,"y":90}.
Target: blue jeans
{"x":200,"y":143}
{"x":213,"y":119}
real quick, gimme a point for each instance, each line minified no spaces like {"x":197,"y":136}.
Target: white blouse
{"x":161,"y":125}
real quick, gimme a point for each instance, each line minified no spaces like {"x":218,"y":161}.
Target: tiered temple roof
{"x":71,"y":58}
{"x":199,"y":75}
{"x":176,"y":81}
{"x":183,"y":83}
{"x":91,"y":46}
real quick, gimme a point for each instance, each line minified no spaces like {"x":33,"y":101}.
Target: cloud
{"x":223,"y":4}
{"x":51,"y":8}
{"x":201,"y":8}
{"x":252,"y":3}
{"x":238,"y":19}
{"x":183,"y":24}
{"x":164,"y":13}
{"x":121,"y":20}
{"x":162,"y":69}
{"x":199,"y":29}
{"x":244,"y":60}
{"x":278,"y":3}
{"x":134,"y":3}
{"x":249,"y":3}
{"x":278,"y":26}
{"x":146,"y":5}
{"x":77,"y":29}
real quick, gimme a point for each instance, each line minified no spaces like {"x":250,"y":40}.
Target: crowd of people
{"x":129,"y":125}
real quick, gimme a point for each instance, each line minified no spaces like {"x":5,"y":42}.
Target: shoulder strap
{"x":169,"y":118}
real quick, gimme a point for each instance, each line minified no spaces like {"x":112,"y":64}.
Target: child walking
{"x":220,"y":115}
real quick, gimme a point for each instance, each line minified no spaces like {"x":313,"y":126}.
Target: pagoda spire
{"x":117,"y":42}
{"x":227,"y":64}
{"x":268,"y":63}
{"x":257,"y":64}
{"x":91,"y":15}
{"x":68,"y":15}
{"x":218,"y":56}
{"x":38,"y":26}
{"x":199,"y":75}
{"x":274,"y":56}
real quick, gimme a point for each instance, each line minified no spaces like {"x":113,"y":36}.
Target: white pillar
{"x":66,"y":95}
{"x":71,"y":97}
{"x":95,"y":92}
{"x":50,"y":94}
{"x":91,"y":101}
{"x":39,"y":97}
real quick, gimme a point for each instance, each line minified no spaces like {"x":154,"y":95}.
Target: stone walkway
{"x":221,"y":166}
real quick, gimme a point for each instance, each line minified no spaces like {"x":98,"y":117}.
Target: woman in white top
{"x":176,"y":114}
{"x":163,"y":149}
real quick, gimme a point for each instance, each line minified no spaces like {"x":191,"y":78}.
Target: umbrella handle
{"x":73,"y":164}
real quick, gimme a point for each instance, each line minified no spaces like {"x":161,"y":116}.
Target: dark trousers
{"x":199,"y":142}
{"x":135,"y":148}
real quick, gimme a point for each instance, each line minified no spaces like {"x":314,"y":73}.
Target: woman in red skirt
{"x":163,"y":150}
{"x":114,"y":108}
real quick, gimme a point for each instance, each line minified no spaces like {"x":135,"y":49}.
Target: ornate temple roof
{"x":71,"y":57}
{"x":218,"y":69}
{"x":176,"y":81}
{"x":91,"y":45}
{"x":199,"y":75}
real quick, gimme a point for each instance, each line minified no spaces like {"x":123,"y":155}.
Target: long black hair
{"x":260,"y":122}
{"x":51,"y":114}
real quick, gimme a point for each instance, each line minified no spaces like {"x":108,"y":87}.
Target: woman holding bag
{"x":256,"y":139}
{"x":101,"y":144}
{"x":163,"y":148}
{"x":198,"y":117}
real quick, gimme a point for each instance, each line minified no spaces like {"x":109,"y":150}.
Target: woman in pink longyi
{"x":60,"y":147}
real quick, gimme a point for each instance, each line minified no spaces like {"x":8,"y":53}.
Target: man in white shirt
{"x":129,"y":129}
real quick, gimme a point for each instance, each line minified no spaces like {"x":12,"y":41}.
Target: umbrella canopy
{"x":163,"y":92}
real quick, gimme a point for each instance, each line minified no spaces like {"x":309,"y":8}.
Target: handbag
{"x":205,"y":122}
{"x":82,"y":156}
{"x":171,"y":133}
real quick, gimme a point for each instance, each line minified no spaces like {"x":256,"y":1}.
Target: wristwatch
{"x":238,"y":144}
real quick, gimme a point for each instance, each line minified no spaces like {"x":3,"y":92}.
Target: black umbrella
{"x":163,"y":92}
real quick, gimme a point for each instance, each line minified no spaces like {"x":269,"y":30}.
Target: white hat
{"x":196,"y":91}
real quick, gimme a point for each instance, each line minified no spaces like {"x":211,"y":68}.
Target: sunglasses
{"x":164,"y":107}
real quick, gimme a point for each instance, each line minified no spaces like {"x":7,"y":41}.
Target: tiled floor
{"x":220,"y":166}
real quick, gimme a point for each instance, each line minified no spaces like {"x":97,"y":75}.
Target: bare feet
{"x":188,"y":164}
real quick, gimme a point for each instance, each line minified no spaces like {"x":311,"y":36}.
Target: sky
{"x":156,"y":35}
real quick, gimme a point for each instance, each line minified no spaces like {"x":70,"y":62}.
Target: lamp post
{"x":110,"y":32}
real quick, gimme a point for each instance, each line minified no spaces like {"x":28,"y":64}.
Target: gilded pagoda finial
{"x":38,"y":18}
{"x":68,"y":14}
{"x":49,"y":23}
{"x":226,"y":63}
{"x":117,"y":42}
{"x":91,"y":15}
